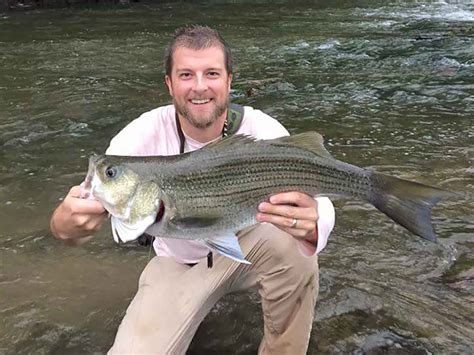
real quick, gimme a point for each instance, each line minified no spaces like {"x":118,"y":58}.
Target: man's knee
{"x":282,"y":250}
{"x":284,"y":247}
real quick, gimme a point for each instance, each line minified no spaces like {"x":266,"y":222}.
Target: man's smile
{"x":200,"y":101}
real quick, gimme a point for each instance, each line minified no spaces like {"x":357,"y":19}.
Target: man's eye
{"x":185,"y":75}
{"x":213,"y":74}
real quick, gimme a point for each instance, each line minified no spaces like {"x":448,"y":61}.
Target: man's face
{"x":199,"y":84}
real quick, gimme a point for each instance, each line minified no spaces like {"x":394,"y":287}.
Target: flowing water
{"x":389,"y":84}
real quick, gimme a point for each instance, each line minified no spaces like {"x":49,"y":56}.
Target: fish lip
{"x":86,"y":185}
{"x":161,"y":212}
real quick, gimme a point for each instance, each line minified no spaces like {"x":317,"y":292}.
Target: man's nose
{"x":200,"y":83}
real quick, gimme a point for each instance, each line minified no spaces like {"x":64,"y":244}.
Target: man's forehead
{"x":188,"y":58}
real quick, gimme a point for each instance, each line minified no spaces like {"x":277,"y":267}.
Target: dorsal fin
{"x":311,"y":141}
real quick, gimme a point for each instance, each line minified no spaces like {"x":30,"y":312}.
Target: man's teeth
{"x":199,"y":102}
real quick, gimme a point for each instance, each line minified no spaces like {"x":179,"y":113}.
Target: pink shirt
{"x":155,"y":133}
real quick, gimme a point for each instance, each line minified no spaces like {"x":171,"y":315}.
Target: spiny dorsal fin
{"x":312,"y":141}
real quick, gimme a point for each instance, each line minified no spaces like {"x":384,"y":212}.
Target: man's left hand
{"x":294,"y":212}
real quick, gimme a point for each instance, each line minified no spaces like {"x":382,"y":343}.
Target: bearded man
{"x":177,"y":289}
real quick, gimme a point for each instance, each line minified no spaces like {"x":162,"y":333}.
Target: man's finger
{"x":288,"y":211}
{"x":298,"y":198}
{"x":83,"y":206}
{"x":89,"y":207}
{"x":75,"y":191}
{"x":285,"y":222}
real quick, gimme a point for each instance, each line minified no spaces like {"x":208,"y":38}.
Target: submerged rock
{"x":461,"y":274}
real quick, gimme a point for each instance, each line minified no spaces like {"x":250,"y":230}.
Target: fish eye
{"x":111,"y":172}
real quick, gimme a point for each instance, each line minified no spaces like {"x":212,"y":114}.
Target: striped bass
{"x":212,"y":193}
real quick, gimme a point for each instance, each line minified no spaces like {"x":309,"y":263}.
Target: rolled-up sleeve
{"x":326,"y":221}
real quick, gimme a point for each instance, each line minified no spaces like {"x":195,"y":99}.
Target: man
{"x":177,"y":289}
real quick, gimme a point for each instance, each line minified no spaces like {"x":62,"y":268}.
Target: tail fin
{"x":407,"y":203}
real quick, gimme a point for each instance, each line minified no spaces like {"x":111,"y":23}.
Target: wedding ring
{"x":293,"y":225}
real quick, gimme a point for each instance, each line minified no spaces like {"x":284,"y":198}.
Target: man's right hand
{"x":75,"y":220}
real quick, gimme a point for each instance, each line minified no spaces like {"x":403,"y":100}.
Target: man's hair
{"x":197,"y":37}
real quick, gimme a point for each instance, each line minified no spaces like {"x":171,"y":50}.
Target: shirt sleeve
{"x":139,"y":136}
{"x":326,"y":221}
{"x":260,"y":125}
{"x":125,"y":142}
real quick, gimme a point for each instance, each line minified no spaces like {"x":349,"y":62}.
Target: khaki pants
{"x":173,"y":299}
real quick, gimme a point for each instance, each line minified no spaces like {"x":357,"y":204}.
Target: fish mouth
{"x":86,"y":188}
{"x":86,"y":185}
{"x":161,"y":212}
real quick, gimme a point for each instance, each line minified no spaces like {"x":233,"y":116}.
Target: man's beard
{"x":200,"y":122}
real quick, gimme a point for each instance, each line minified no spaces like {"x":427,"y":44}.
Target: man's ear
{"x":230,"y":80}
{"x":168,"y":84}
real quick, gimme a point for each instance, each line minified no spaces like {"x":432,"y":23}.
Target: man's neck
{"x":203,"y":135}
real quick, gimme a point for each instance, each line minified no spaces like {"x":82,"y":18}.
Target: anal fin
{"x":227,"y":246}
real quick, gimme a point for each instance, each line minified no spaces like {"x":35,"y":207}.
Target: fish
{"x":212,"y":193}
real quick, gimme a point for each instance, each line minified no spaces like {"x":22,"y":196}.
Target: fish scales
{"x":229,"y":179}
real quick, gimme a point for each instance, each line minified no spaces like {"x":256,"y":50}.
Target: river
{"x":389,"y":84}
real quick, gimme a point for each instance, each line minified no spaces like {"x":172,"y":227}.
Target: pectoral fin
{"x":227,"y":246}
